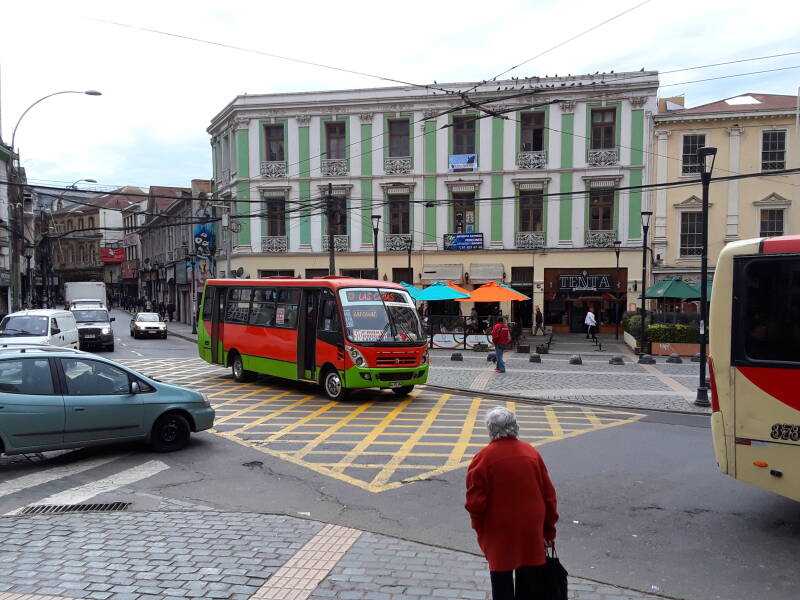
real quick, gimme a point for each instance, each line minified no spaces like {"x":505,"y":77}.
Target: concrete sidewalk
{"x":235,"y":556}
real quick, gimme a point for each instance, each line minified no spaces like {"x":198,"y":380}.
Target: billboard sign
{"x":463,"y":241}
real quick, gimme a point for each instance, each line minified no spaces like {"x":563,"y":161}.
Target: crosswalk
{"x":74,"y":482}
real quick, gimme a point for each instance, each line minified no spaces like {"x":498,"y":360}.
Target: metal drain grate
{"x":49,"y":509}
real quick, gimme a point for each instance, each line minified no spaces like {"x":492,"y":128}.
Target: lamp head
{"x":706,"y":156}
{"x":617,"y":245}
{"x":376,"y":219}
{"x":646,"y":214}
{"x":28,"y":251}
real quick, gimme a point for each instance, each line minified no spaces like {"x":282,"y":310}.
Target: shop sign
{"x":112,"y":255}
{"x":463,"y":241}
{"x":584,"y":282}
{"x":5,"y":277}
{"x":128,"y":269}
{"x":130,"y":239}
{"x":462,"y":163}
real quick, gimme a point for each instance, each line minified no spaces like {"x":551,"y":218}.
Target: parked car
{"x":57,"y":398}
{"x":94,"y":327}
{"x":148,"y":324}
{"x":40,"y":326}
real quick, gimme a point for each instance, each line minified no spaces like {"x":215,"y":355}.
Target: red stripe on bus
{"x":779,"y":245}
{"x":781,"y":384}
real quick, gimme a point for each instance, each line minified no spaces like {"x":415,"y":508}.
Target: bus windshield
{"x":380,"y":315}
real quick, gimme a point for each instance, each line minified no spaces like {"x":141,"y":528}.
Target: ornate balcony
{"x":273,"y":168}
{"x":398,"y":165}
{"x":530,"y":240}
{"x":335,"y":167}
{"x":341,"y":243}
{"x":274,"y":243}
{"x":601,"y":238}
{"x":532,"y":160}
{"x":224,"y":175}
{"x":605,"y":157}
{"x":396,"y":242}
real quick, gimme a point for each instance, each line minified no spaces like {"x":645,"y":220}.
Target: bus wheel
{"x":403,"y":391}
{"x":239,"y":372}
{"x":332,"y":385}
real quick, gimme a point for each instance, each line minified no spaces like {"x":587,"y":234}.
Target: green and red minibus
{"x":340,"y":332}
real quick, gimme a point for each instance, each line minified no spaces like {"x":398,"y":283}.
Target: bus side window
{"x":263,"y":311}
{"x":238,"y":308}
{"x":208,"y":302}
{"x":329,"y":317}
{"x":286,"y":308}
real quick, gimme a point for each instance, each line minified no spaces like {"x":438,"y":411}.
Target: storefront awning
{"x":443,"y":273}
{"x":485,"y":272}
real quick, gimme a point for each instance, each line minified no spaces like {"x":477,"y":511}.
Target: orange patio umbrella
{"x":493,"y":292}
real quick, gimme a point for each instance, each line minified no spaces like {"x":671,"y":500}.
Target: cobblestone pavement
{"x":234,"y":556}
{"x":662,"y":386}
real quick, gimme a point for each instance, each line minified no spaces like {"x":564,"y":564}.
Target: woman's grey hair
{"x":501,"y":423}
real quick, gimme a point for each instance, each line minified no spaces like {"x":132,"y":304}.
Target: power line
{"x":732,"y":76}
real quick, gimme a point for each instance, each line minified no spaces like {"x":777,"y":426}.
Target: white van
{"x":41,"y":326}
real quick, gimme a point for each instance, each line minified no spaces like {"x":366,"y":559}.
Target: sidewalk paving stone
{"x":374,"y":566}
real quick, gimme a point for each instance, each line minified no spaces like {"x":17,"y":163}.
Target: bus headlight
{"x":425,"y":358}
{"x":356,"y":356}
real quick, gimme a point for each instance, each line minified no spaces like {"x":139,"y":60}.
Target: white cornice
{"x":723,"y":116}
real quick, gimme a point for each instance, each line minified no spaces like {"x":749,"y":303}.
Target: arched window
{"x":69,"y":225}
{"x":80,"y":223}
{"x":72,"y":256}
{"x":91,"y":222}
{"x":81,"y":255}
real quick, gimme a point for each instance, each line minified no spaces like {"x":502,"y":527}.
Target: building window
{"x":771,"y":222}
{"x":603,"y":124}
{"x":399,"y":138}
{"x":69,"y":225}
{"x":91,"y":222}
{"x":691,"y":233}
{"x":273,"y":142}
{"x":532,"y":132}
{"x":530,"y":211}
{"x":339,"y":216}
{"x":80,"y":223}
{"x":359,"y":273}
{"x":402,"y":274}
{"x":601,"y":210}
{"x":464,"y":134}
{"x":464,"y":212}
{"x":275,"y":216}
{"x":335,"y":138}
{"x":311,"y":273}
{"x":691,"y":162}
{"x":773,"y":150}
{"x":277,"y":272}
{"x":399,"y":214}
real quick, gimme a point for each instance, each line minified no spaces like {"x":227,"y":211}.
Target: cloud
{"x":160,"y":92}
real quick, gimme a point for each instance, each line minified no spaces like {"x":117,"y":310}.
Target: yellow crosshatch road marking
{"x":377,"y":441}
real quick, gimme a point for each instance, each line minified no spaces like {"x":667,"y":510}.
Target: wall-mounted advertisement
{"x":463,"y":241}
{"x":462,"y":163}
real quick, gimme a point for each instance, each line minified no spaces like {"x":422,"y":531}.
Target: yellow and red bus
{"x":755,"y":363}
{"x":339,"y":332}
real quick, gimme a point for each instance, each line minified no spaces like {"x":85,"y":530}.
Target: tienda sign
{"x":112,"y":255}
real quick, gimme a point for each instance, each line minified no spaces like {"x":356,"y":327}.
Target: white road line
{"x":101,"y":486}
{"x":28,"y":481}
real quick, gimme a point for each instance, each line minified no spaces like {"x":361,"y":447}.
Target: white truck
{"x":90,"y":293}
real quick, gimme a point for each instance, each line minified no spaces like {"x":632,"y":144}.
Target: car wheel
{"x":403,"y":391}
{"x":333,"y":386}
{"x":170,"y":432}
{"x":163,"y":337}
{"x":239,"y":373}
{"x":109,"y":348}
{"x":132,"y":335}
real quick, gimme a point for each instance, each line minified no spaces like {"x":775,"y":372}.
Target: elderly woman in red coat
{"x":513,"y":508}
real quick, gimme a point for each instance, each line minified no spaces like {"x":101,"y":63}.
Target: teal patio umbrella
{"x":673,"y":289}
{"x":696,"y":288}
{"x":413,"y":292}
{"x":439,"y":291}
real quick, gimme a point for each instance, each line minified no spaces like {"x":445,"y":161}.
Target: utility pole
{"x":329,"y":215}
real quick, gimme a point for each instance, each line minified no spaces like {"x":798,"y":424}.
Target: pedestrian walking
{"x":512,"y":504}
{"x":591,"y":324}
{"x":539,"y":322}
{"x":170,"y":310}
{"x":501,"y":338}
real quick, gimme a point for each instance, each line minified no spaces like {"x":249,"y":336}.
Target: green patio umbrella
{"x":674,"y":289}
{"x":696,"y":288}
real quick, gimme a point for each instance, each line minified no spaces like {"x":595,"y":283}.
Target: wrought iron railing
{"x":602,"y":157}
{"x":341,"y":243}
{"x":274,"y":243}
{"x":532,"y":160}
{"x":397,"y":165}
{"x":530,"y":239}
{"x":273,"y":168}
{"x":396,"y":242}
{"x":601,"y":238}
{"x":335,"y":167}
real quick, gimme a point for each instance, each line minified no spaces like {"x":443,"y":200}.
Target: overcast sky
{"x":160,"y":93}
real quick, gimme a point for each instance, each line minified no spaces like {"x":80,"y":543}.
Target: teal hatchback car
{"x":54,"y":398}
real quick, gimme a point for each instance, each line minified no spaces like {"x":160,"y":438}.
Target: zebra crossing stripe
{"x":107,"y":484}
{"x":28,"y":481}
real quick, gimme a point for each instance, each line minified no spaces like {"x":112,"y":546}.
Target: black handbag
{"x":555,"y":576}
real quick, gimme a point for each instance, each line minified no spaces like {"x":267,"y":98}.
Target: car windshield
{"x":380,"y":315}
{"x":89,"y":316}
{"x":149,"y":317}
{"x":16,"y":325}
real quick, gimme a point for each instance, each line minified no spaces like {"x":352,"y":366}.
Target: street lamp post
{"x":646,"y":214}
{"x":410,"y":247}
{"x":28,"y":255}
{"x":16,"y":201}
{"x":193,"y":258}
{"x":706,"y":156}
{"x":617,"y":244}
{"x":376,"y":219}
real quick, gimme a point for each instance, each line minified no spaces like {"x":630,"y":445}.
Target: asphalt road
{"x":642,"y":504}
{"x":127,"y":347}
